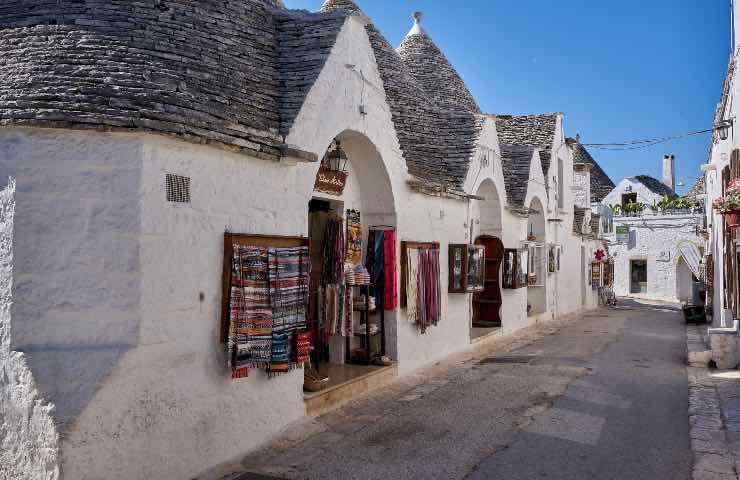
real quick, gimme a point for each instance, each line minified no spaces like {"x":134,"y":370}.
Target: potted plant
{"x":729,"y":206}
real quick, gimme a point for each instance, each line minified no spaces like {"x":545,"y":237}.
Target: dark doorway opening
{"x":638,"y":276}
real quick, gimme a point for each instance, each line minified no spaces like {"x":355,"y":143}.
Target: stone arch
{"x":369,"y":190}
{"x":684,"y":280}
{"x":487,"y":214}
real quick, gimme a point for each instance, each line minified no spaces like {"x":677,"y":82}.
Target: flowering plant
{"x":728,"y":203}
{"x":734,"y":185}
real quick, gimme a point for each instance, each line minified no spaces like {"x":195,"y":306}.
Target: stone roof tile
{"x":655,"y":185}
{"x":433,"y":71}
{"x":515,"y":164}
{"x":437,"y":143}
{"x":536,"y":130}
{"x":601,"y":184}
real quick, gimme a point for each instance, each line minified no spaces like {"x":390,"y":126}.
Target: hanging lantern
{"x":332,"y":175}
{"x":336,"y":159}
{"x":723,"y":129}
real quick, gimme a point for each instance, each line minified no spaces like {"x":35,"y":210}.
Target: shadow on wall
{"x":76,"y":290}
{"x":30,"y":444}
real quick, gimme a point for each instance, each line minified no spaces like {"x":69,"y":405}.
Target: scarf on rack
{"x":412,"y":284}
{"x":390,"y":280}
{"x":354,"y":238}
{"x":250,"y":326}
{"x":332,"y":271}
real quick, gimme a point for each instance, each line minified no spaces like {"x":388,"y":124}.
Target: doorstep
{"x":478,"y":335}
{"x":361,"y":380}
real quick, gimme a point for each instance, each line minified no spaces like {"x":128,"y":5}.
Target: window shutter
{"x":735,"y":164}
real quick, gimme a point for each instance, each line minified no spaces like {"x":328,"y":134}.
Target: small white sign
{"x":664,"y":256}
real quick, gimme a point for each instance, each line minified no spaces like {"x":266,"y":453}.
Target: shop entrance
{"x":638,"y":276}
{"x":487,"y":304}
{"x":351,"y":232}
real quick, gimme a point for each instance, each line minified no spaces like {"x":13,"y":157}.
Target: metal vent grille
{"x":178,"y":188}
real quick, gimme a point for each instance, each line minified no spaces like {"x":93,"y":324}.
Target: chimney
{"x":669,"y":171}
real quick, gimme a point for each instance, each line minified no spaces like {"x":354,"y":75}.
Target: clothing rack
{"x":405,"y":246}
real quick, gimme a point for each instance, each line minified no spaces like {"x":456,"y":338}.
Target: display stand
{"x":366,"y":337}
{"x":272,"y":241}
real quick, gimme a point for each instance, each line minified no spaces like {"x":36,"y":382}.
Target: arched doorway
{"x":351,"y":205}
{"x":684,"y":281}
{"x":537,"y":242}
{"x":486,"y":230}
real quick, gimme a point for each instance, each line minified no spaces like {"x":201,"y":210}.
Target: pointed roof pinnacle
{"x":416,"y":29}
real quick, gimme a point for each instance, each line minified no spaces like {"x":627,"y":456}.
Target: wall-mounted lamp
{"x":723,"y":129}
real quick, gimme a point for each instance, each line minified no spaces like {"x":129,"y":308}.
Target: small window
{"x":178,"y":188}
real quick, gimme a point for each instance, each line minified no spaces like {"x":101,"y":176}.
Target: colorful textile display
{"x":390,"y":281}
{"x":428,"y":298}
{"x":250,"y":328}
{"x":332,"y":271}
{"x":423,"y":291}
{"x":289,"y":275}
{"x":354,"y":238}
{"x":302,"y":348}
{"x":269,"y":298}
{"x":412,"y":284}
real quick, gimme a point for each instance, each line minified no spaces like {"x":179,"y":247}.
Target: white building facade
{"x":113,"y":288}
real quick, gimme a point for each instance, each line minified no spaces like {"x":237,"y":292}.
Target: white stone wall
{"x":28,"y":438}
{"x":135,"y":369}
{"x":582,"y":188}
{"x":644,"y":194}
{"x":655,"y":239}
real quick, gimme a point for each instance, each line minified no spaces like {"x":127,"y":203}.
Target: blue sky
{"x":619,"y":70}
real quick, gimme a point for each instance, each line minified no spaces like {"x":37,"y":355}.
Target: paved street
{"x":600,"y":396}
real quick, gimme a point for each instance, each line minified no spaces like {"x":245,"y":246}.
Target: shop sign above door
{"x":330,"y":181}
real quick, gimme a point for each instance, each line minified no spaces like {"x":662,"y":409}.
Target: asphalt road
{"x":600,"y":396}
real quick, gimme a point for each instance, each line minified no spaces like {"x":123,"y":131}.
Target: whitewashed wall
{"x":133,"y":282}
{"x":644,"y":194}
{"x":28,"y":439}
{"x":655,"y":239}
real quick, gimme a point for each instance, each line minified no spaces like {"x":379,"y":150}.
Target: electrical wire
{"x":645,"y":143}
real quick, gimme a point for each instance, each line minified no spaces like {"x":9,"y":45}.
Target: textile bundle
{"x":381,"y":261}
{"x":332,"y":271}
{"x":354,"y":237}
{"x":423,"y":293}
{"x":302,"y":348}
{"x":269,"y":296}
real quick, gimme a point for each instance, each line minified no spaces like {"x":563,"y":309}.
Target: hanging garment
{"x":390,"y":279}
{"x":289,"y":273}
{"x":331,"y":310}
{"x":429,"y":292}
{"x":341,"y":294}
{"x":370,"y":253}
{"x":354,"y":238}
{"x":250,"y":315}
{"x":332,"y":270}
{"x":302,"y":348}
{"x":378,"y":256}
{"x":279,"y":362}
{"x":348,"y":320}
{"x":412,"y":285}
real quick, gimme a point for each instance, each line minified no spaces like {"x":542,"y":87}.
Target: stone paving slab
{"x":714,"y":417}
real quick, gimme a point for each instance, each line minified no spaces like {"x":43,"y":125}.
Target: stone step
{"x":335,"y":396}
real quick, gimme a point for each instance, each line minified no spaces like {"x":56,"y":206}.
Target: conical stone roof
{"x":433,"y":71}
{"x":437,"y":143}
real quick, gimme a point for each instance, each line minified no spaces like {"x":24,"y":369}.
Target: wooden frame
{"x":464,"y":280}
{"x":512,"y":274}
{"x":251,"y":240}
{"x":405,"y":245}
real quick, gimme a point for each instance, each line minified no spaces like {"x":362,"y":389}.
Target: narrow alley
{"x":603,"y":395}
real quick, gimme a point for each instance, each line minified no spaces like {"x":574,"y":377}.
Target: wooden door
{"x":487,"y":304}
